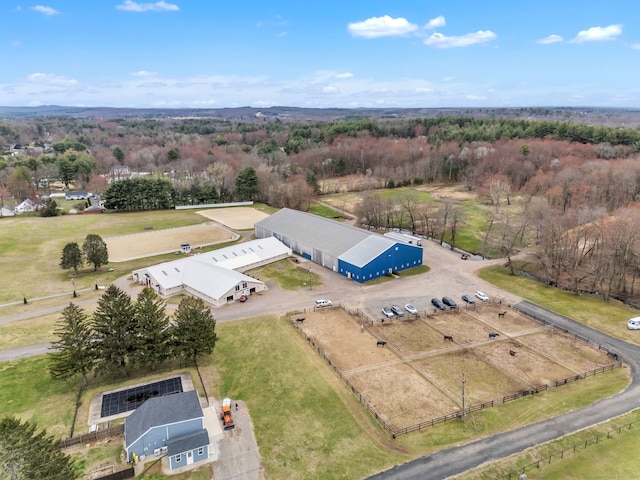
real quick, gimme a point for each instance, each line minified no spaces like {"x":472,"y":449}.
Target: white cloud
{"x":635,"y":46}
{"x":345,"y":75}
{"x":142,"y":73}
{"x":550,"y":39}
{"x":15,"y":43}
{"x":475,"y":97}
{"x":51,"y":79}
{"x":436,"y":23}
{"x":442,"y":41}
{"x":161,"y":6}
{"x":598,"y":34}
{"x":45,"y":10}
{"x":382,"y":27}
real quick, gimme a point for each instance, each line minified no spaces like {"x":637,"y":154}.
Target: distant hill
{"x":629,"y":118}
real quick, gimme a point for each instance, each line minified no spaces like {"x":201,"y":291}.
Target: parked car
{"x":243,"y":299}
{"x":634,"y":323}
{"x":411,"y":309}
{"x":449,"y":302}
{"x":482,"y":296}
{"x":397,"y":310}
{"x":468,"y":299}
{"x":386,"y":311}
{"x":436,"y":302}
{"x":323,"y":303}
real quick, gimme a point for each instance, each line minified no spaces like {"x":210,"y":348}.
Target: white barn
{"x":215,"y":276}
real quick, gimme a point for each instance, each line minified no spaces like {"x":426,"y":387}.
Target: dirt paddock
{"x":149,"y":243}
{"x":416,"y":375}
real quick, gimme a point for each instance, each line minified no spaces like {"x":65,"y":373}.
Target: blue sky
{"x":348,"y":53}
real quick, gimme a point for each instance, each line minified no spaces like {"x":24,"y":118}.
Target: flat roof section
{"x":131,"y":398}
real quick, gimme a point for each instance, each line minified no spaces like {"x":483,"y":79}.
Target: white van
{"x":323,"y":303}
{"x":634,"y":323}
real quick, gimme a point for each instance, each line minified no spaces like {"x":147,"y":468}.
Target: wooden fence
{"x":110,"y":432}
{"x":121,"y":475}
{"x":567,"y":451}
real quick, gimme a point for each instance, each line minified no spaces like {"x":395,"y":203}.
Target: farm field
{"x":415,"y":376}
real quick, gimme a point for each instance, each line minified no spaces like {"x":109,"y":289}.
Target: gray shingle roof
{"x":164,"y":410}
{"x":322,"y":233}
{"x":187,"y":442}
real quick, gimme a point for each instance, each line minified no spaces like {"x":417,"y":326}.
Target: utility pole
{"x":463,"y":412}
{"x":310,"y":286}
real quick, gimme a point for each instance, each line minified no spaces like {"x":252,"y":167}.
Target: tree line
{"x":123,"y":334}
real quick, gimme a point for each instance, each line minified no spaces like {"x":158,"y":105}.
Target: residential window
{"x":244,"y":285}
{"x":237,"y":288}
{"x":201,"y":451}
{"x":178,"y":458}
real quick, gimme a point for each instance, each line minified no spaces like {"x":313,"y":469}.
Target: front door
{"x":189,"y":458}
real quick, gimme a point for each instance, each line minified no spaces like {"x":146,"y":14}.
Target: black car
{"x":468,"y":298}
{"x":397,"y":310}
{"x":436,"y":302}
{"x":449,"y":301}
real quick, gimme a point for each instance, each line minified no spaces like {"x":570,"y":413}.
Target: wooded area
{"x":569,"y":189}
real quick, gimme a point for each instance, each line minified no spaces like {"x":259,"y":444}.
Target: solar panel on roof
{"x":131,"y":398}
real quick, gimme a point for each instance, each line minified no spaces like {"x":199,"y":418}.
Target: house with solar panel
{"x":168,"y":425}
{"x":216,"y":276}
{"x":355,"y":253}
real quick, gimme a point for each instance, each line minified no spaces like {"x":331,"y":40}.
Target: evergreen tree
{"x":247,"y":184}
{"x":50,"y":209}
{"x":28,"y":454}
{"x":95,"y":251}
{"x":114,"y":329}
{"x":71,"y":256}
{"x":194,"y":330}
{"x":152,"y":329}
{"x":73,"y":353}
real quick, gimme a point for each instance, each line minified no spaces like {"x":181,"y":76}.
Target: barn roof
{"x":317,"y":232}
{"x":368,"y":249}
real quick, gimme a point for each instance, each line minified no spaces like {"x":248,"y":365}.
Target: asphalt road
{"x":448,"y":275}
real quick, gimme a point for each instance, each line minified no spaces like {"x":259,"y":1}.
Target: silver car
{"x":386,"y":311}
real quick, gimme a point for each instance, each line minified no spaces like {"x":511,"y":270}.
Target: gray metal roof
{"x":187,"y":442}
{"x":367,"y":250}
{"x":164,"y":410}
{"x":322,"y":233}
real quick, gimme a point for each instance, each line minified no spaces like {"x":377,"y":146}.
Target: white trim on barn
{"x":214,"y":276}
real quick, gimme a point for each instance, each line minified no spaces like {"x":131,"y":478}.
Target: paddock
{"x":417,"y":376}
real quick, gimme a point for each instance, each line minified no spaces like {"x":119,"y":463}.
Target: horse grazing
{"x":513,"y":353}
{"x":493,"y":335}
{"x":448,"y":337}
{"x":502,"y":314}
{"x":381,"y":343}
{"x":300,"y":320}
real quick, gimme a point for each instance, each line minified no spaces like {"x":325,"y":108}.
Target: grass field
{"x":32,"y":247}
{"x":307,"y":423}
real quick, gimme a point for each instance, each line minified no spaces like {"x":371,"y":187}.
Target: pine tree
{"x":95,"y":251}
{"x":194,"y":330}
{"x":26,"y":453}
{"x":114,"y":330}
{"x":73,"y":353}
{"x":152,"y":329}
{"x":71,"y":256}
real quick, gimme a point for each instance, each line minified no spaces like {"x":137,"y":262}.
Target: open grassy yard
{"x":32,"y":247}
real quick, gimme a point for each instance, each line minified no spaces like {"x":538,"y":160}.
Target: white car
{"x":482,"y":296}
{"x":323,"y":303}
{"x":411,"y":309}
{"x":386,"y":311}
{"x":634,"y":323}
